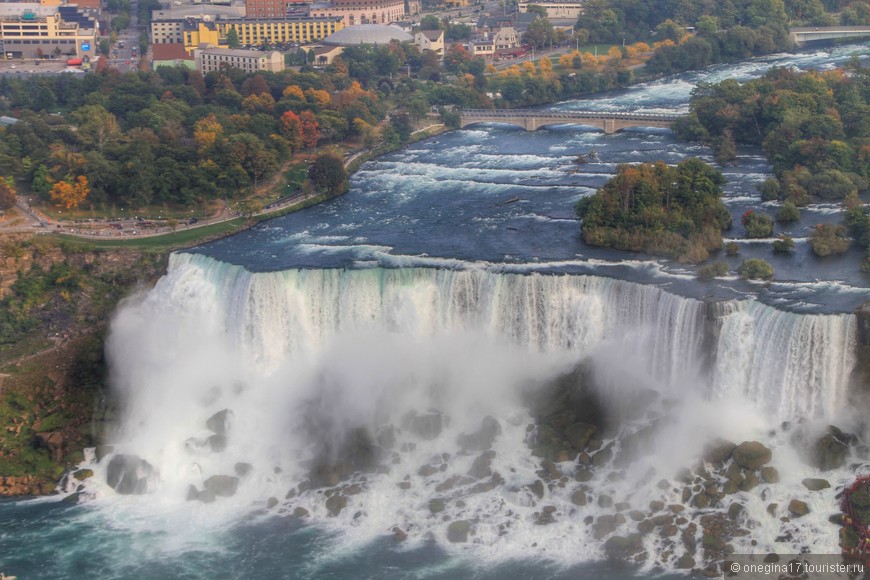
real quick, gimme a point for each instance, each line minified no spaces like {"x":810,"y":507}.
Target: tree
{"x":755,"y":269}
{"x":70,"y":195}
{"x":7,"y":193}
{"x":97,"y":126}
{"x":207,"y":132}
{"x":784,"y":245}
{"x":536,"y":9}
{"x":291,"y":128}
{"x":327,"y":174}
{"x":430,"y":22}
{"x":310,"y":129}
{"x":758,"y":225}
{"x":829,"y":239}
{"x":233,"y":38}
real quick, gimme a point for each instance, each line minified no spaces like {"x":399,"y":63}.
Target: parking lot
{"x":30,"y":66}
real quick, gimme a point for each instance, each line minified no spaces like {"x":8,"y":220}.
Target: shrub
{"x":755,"y":269}
{"x":784,"y":245}
{"x":788,"y":212}
{"x":769,"y":189}
{"x":714,"y":270}
{"x":829,"y":239}
{"x":758,"y":225}
{"x":732,"y":248}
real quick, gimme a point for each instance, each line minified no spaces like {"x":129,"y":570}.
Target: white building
{"x":556,"y":8}
{"x":215,"y":59}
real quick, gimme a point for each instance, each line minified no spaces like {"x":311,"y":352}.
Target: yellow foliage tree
{"x":511,"y":71}
{"x":641,"y":47}
{"x":70,"y":195}
{"x":529,"y":68}
{"x":614,"y":53}
{"x":207,"y":131}
{"x":546,"y":65}
{"x":293,"y":91}
{"x":318,"y":97}
{"x":566,"y":60}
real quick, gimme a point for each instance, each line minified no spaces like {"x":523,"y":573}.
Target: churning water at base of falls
{"x":447,"y":286}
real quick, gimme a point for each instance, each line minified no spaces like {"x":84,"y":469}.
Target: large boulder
{"x":482,"y":439}
{"x":751,"y":455}
{"x":220,"y":422}
{"x":579,"y":434}
{"x":457,"y":532}
{"x":130,"y":474}
{"x":829,"y":452}
{"x":719,"y":451}
{"x":221,"y":485}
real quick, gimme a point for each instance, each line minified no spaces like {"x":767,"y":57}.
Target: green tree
{"x":327,"y":174}
{"x":829,"y":239}
{"x":758,"y":225}
{"x":233,"y":38}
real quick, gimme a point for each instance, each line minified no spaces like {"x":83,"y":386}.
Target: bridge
{"x":532,"y":120}
{"x":801,"y":35}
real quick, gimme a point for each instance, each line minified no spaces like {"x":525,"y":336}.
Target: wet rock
{"x":771,"y":509}
{"x":729,"y":487}
{"x":749,"y":482}
{"x":242,"y":469}
{"x":605,"y":501}
{"x":656,"y":505}
{"x":220,"y":422}
{"x":537,"y":488}
{"x":663,"y":519}
{"x":448,"y":483}
{"x":399,"y":534}
{"x":426,"y":426}
{"x":457,"y":532}
{"x":676,"y":508}
{"x":686,"y":562}
{"x":217,"y":442}
{"x":335,"y":503}
{"x":713,"y":543}
{"x":271,"y":502}
{"x":751,"y":455}
{"x":603,"y":457}
{"x":734,"y":474}
{"x":636,"y":515}
{"x":131,"y":475}
{"x":222,"y":485}
{"x":579,"y":434}
{"x":616,"y":547}
{"x":482,"y":439}
{"x":735,"y":510}
{"x":583,"y":475}
{"x":427,"y":470}
{"x":579,"y":497}
{"x":797,"y":508}
{"x":829,"y":452}
{"x":436,"y":506}
{"x":645,"y":526}
{"x":622,"y":506}
{"x":83,"y":474}
{"x":480,"y":468}
{"x":814,"y":484}
{"x":669,"y":530}
{"x":603,"y":526}
{"x":701,"y":501}
{"x":300,"y":512}
{"x":769,"y":474}
{"x":719,"y":451}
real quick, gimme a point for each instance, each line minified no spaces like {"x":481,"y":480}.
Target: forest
{"x":814,"y":127}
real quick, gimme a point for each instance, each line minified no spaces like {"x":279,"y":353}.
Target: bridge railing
{"x":529,"y":113}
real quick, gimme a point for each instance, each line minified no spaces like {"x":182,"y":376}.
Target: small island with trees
{"x":658,"y":209}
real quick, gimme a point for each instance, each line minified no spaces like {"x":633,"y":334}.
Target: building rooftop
{"x":170,"y":51}
{"x":238,"y":52}
{"x":367,"y":34}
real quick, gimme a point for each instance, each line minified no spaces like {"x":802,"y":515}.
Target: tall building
{"x":361,"y":11}
{"x":192,"y":32}
{"x":28,"y":30}
{"x":265,"y":8}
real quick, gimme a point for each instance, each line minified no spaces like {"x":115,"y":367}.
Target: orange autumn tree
{"x":70,"y":195}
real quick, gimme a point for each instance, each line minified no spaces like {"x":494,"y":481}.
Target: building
{"x":374,"y":34}
{"x":212,"y":59}
{"x":281,"y":30}
{"x":570,"y":9}
{"x":191,"y":33}
{"x":482,"y":47}
{"x":32,"y":31}
{"x":430,"y":40}
{"x":506,"y":39}
{"x":355,"y":12}
{"x":171,"y":55}
{"x":271,"y":8}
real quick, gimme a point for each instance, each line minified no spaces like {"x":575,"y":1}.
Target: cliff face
{"x":55,"y":302}
{"x":863,"y":367}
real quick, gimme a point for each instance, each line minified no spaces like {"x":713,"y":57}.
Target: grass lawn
{"x":167,"y":241}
